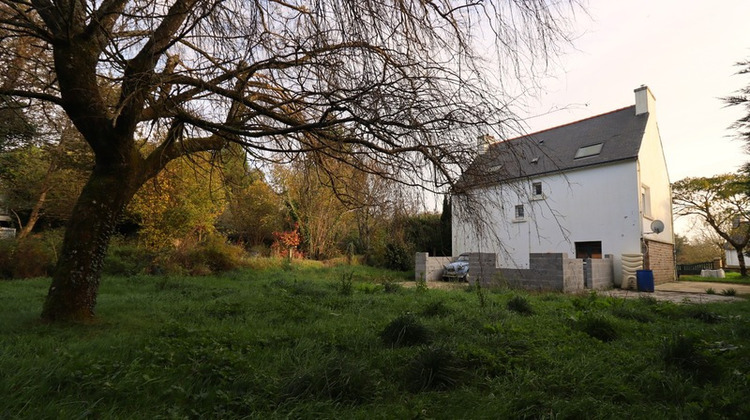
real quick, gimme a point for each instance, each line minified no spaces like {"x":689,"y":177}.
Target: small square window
{"x":520,"y":211}
{"x":536,"y":188}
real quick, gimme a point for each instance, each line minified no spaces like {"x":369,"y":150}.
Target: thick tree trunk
{"x":741,"y":259}
{"x":75,"y":283}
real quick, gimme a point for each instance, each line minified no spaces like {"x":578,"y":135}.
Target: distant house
{"x":584,"y":190}
{"x":741,"y":232}
{"x":6,"y":222}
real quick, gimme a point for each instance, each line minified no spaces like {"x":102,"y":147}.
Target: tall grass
{"x":310,"y":342}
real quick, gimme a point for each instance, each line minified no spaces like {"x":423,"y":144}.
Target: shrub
{"x":434,"y":369}
{"x":421,"y":284}
{"x":521,"y":305}
{"x":436,"y":309}
{"x":26,"y":258}
{"x":336,"y":379}
{"x":390,"y":286}
{"x":597,"y":327}
{"x":700,"y":312}
{"x":710,"y":291}
{"x":729,"y":292}
{"x":346,"y":287}
{"x":127,"y":260}
{"x":684,"y":352}
{"x":211,"y":256}
{"x":405,"y":330}
{"x":398,"y":257}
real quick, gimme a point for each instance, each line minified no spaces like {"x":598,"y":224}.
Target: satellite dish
{"x":657,"y":226}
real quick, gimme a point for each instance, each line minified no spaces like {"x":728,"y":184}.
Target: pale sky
{"x":684,"y":51}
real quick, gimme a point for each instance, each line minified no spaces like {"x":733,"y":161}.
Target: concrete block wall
{"x":572,"y":275}
{"x":430,"y":267}
{"x":600,"y":273}
{"x":482,"y":267}
{"x":553,"y":271}
{"x":660,"y":260}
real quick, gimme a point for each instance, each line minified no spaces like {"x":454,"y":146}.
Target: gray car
{"x":457,"y":270}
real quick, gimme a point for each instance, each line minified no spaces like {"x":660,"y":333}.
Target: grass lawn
{"x":348,"y":342}
{"x":731,"y":277}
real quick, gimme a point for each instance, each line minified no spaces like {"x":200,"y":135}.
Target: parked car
{"x":457,"y":270}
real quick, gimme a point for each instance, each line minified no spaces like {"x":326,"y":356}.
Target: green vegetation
{"x":308,"y":341}
{"x":731,"y":277}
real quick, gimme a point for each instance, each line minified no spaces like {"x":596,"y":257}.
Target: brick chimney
{"x":644,"y":101}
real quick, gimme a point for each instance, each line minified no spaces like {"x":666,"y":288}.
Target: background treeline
{"x":209,"y":212}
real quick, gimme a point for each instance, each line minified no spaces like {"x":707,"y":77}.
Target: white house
{"x":586,"y":189}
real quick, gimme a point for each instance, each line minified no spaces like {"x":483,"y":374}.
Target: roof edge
{"x":561,"y":125}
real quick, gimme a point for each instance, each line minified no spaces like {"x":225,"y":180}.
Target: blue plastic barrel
{"x":644,"y":280}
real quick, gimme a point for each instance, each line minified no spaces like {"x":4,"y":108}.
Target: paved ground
{"x":678,"y":291}
{"x":683,"y":292}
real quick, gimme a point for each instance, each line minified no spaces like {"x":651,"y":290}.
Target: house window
{"x":520,"y":213}
{"x":591,"y":249}
{"x":646,"y":201}
{"x":588,"y":151}
{"x":536,"y":189}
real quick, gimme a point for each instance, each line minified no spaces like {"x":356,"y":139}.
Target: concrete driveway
{"x":686,"y":292}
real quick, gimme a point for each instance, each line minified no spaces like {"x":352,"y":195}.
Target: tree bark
{"x":75,"y":282}
{"x":741,"y":259}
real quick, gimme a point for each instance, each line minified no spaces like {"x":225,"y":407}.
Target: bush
{"x":685,"y":353}
{"x":127,"y":260}
{"x":26,"y":258}
{"x":406,"y":330}
{"x":729,"y":292}
{"x":437,"y":308}
{"x":700,"y":313}
{"x":346,"y":286}
{"x":337,"y":379}
{"x":434,"y":369}
{"x":398,"y":257}
{"x":521,"y":305}
{"x":211,"y":256}
{"x":597,"y":327}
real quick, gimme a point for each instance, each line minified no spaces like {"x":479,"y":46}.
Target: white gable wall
{"x":653,"y":174}
{"x":589,"y":204}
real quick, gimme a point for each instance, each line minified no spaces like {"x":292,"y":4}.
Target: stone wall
{"x":599,"y":273}
{"x":430,"y":267}
{"x":660,"y":260}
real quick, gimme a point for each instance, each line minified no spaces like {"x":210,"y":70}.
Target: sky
{"x":684,"y":51}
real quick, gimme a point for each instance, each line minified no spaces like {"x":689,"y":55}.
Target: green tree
{"x":182,"y":202}
{"x":43,"y":179}
{"x":722,"y":203}
{"x":399,"y":78}
{"x":253,"y":212}
{"x":697,"y":249}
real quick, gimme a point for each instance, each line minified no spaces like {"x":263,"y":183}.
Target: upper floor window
{"x":520,"y":213}
{"x":536,"y":189}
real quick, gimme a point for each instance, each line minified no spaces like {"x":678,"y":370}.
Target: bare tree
{"x":400,"y":79}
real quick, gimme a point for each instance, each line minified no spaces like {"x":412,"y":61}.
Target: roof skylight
{"x":588,"y":151}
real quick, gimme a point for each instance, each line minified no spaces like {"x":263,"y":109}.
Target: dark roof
{"x":553,"y":150}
